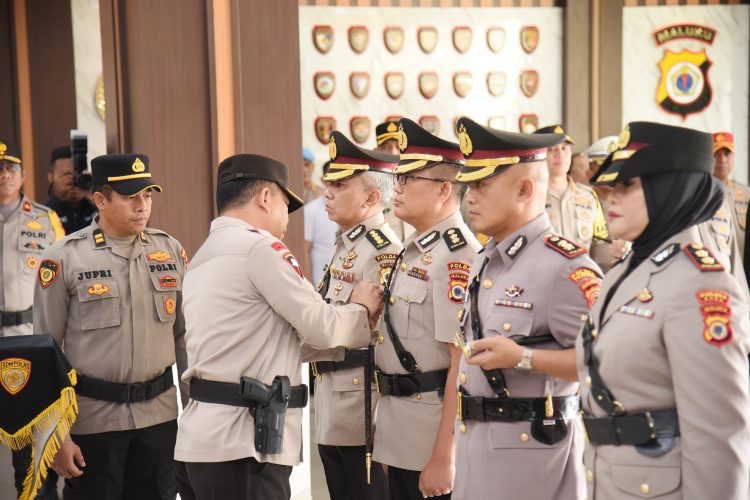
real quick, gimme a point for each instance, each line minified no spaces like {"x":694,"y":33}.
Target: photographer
{"x":70,"y":202}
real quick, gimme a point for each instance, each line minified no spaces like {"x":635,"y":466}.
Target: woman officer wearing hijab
{"x":663,"y":355}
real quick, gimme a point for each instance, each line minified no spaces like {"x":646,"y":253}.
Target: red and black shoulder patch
{"x":49,"y":270}
{"x":702,"y":257}
{"x":563,"y":246}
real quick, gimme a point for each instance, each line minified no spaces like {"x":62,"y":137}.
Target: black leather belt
{"x":15,"y":318}
{"x":636,"y":429}
{"x":403,"y":385}
{"x":516,"y":409}
{"x":227,"y":393}
{"x":124,"y":393}
{"x":353,"y":358}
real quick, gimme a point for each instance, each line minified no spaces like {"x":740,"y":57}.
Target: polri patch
{"x":458,"y":284}
{"x":714,"y":306}
{"x":377,"y":238}
{"x":454,"y":239}
{"x":563,"y":246}
{"x":14,"y":374}
{"x":49,"y":270}
{"x":588,"y":282}
{"x":702,"y":257}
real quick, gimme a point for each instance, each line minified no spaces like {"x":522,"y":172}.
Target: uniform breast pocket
{"x":99,"y":303}
{"x":349,"y":380}
{"x":166,"y":281}
{"x":509,"y":322}
{"x":339,"y":291}
{"x":166,"y":305}
{"x":647,"y":482}
{"x":413,"y":296}
{"x":585,"y":229}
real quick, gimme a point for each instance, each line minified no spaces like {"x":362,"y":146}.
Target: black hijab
{"x":675,"y":201}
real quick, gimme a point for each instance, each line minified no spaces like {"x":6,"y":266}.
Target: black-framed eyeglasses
{"x":9,"y":166}
{"x":402,"y":179}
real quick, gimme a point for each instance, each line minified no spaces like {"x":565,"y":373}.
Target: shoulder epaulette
{"x":702,"y":257}
{"x":454,"y":238}
{"x":99,"y":239}
{"x":378,"y":239}
{"x":563,"y":246}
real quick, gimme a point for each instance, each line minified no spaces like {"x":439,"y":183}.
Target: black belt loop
{"x":227,"y":393}
{"x":114,"y":392}
{"x":353,"y":358}
{"x":16,"y":318}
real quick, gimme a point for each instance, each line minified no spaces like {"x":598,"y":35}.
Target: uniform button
{"x":391,"y":301}
{"x":506,"y":327}
{"x":355,"y":381}
{"x":594,"y":332}
{"x":419,"y":396}
{"x":645,"y":488}
{"x":524,"y":437}
{"x":462,"y":377}
{"x":590,"y":476}
{"x":406,"y":298}
{"x":380,"y":339}
{"x":588,"y":381}
{"x":462,"y":427}
{"x":402,"y":266}
{"x":487,"y":283}
{"x":584,"y":316}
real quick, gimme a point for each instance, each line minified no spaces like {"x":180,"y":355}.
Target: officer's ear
{"x":264,"y":199}
{"x":526,"y":189}
{"x":373,"y":198}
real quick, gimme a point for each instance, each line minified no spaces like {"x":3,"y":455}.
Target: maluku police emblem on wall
{"x":684,"y":87}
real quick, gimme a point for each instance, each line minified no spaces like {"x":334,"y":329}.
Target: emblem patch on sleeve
{"x":49,"y":270}
{"x":714,"y":305}
{"x":184,"y":256}
{"x":563,"y":246}
{"x":459,"y":283}
{"x":588,"y":281}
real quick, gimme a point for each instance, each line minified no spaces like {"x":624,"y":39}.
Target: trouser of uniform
{"x":243,"y":479}
{"x":404,"y":485}
{"x":21,"y":462}
{"x":346,"y":474}
{"x":123,"y":465}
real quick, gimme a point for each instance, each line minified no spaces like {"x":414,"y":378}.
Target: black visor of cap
{"x":256,"y":167}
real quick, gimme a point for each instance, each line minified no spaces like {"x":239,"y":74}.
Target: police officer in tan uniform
{"x":573,"y":208}
{"x":664,"y":352}
{"x":518,"y":433}
{"x":110,"y":295}
{"x":417,"y":361}
{"x":28,"y":228}
{"x":386,"y":139}
{"x":738,"y":194}
{"x":248,"y":308}
{"x":360,"y":183}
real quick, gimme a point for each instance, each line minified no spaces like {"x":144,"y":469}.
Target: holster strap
{"x":114,"y":392}
{"x":15,"y":318}
{"x":404,"y":385}
{"x":516,"y":409}
{"x":353,"y":358}
{"x":636,"y":429}
{"x":227,"y":393}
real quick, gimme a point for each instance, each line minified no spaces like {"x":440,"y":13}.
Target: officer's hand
{"x":66,"y":459}
{"x":370,"y":295}
{"x":437,"y":478}
{"x":618,"y":248}
{"x":495,"y":353}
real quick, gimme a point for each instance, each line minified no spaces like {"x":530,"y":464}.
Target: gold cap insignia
{"x":720,"y":138}
{"x":559,"y":130}
{"x":464,"y":140}
{"x":612,"y":147}
{"x":3,"y":148}
{"x":332,"y":148}
{"x":403,"y":142}
{"x":392,"y":127}
{"x":624,"y":138}
{"x":138,"y":166}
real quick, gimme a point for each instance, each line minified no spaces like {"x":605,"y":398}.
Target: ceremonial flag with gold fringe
{"x":38,"y":402}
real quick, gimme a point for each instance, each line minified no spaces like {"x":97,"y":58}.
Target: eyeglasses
{"x":9,"y":167}
{"x":402,"y":179}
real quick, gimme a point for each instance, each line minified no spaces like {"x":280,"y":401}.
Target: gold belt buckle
{"x":549,"y":408}
{"x":377,"y":384}
{"x":314,"y":367}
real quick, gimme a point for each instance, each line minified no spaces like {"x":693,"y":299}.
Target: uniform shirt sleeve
{"x":309,"y":225}
{"x":276,"y":275}
{"x":178,"y":330}
{"x":449,"y":293}
{"x":711,"y":392}
{"x":51,"y":302}
{"x":573,"y":292}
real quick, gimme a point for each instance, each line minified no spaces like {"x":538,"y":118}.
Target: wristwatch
{"x":525,"y":364}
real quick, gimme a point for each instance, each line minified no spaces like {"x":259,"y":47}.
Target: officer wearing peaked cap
{"x":417,"y":361}
{"x":528,"y":292}
{"x":386,"y":138}
{"x":574,"y":209}
{"x":27,"y":228}
{"x":111,"y":295}
{"x":248,"y":309}
{"x":660,"y":406}
{"x":359,"y":185}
